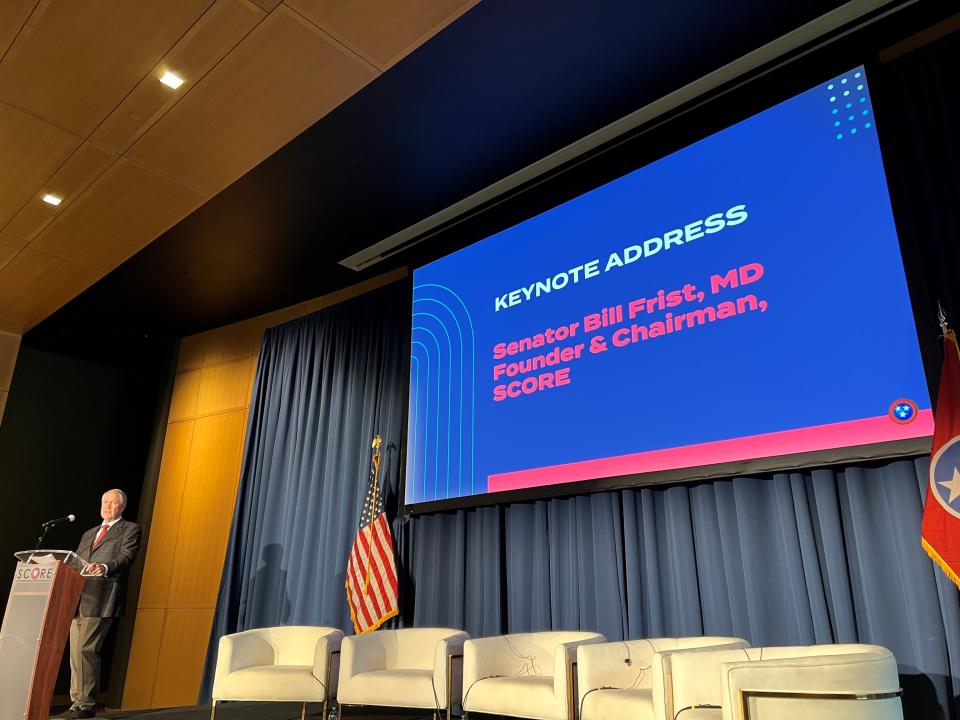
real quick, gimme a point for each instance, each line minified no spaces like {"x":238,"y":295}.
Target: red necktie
{"x":103,"y":531}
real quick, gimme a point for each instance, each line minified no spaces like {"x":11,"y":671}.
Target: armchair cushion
{"x":615,"y":704}
{"x":617,"y":679}
{"x":407,"y":688}
{"x":282,"y":663}
{"x":400,"y":668}
{"x":272,"y":682}
{"x":523,"y":675}
{"x":523,"y":696}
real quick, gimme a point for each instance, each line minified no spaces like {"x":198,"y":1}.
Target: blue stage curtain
{"x":325,"y":384}
{"x":829,"y":555}
{"x":826,"y":556}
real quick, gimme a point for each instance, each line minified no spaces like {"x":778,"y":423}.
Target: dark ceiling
{"x":505,"y":85}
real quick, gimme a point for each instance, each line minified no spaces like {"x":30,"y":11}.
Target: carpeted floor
{"x":258,"y":711}
{"x":269,"y":711}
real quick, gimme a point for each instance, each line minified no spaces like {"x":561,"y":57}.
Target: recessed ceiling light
{"x":52,"y":199}
{"x":171,"y":80}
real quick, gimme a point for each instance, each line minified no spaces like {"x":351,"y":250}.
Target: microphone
{"x":57,"y":521}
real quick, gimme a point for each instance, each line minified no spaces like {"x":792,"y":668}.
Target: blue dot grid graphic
{"x":842,"y":93}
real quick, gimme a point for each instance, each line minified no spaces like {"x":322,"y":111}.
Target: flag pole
{"x":946,"y":332}
{"x":375,"y":467}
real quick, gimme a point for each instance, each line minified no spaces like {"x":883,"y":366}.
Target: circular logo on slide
{"x":903,"y":411}
{"x":945,"y":476}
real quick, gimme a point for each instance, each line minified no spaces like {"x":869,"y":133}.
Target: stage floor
{"x":267,"y":711}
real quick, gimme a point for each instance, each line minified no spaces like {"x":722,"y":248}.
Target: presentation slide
{"x":742,"y":298}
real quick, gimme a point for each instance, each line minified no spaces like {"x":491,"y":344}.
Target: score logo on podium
{"x":33,"y":574}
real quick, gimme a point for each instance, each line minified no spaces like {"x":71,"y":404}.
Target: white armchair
{"x":407,"y":668}
{"x":827,"y":682}
{"x":528,"y":675}
{"x":286,"y":664}
{"x":615,"y":679}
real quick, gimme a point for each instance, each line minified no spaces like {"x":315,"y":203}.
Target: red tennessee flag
{"x":941,"y":514}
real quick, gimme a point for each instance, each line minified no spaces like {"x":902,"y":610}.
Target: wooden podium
{"x":43,"y":599}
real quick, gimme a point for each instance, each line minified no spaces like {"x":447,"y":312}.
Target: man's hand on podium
{"x":95,"y":569}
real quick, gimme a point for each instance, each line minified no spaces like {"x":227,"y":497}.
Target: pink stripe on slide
{"x":786,"y":442}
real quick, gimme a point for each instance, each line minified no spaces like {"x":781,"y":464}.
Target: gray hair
{"x":121,"y":493}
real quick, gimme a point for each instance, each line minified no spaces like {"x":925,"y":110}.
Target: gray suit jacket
{"x":105,"y":596}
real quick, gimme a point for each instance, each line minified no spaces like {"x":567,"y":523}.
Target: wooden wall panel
{"x":183,"y":651}
{"x":144,"y":649}
{"x":165,"y":525}
{"x":9,"y":348}
{"x":186,"y":389}
{"x":224,"y":387}
{"x":229,"y":343}
{"x":212,"y":475}
{"x":191,"y":353}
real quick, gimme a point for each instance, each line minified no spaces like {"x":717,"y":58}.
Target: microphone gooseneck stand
{"x":49,"y":524}
{"x":46,"y":528}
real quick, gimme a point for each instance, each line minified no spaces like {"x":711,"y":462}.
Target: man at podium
{"x":110,"y":548}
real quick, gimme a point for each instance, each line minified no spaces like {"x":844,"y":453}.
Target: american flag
{"x":371,"y":572}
